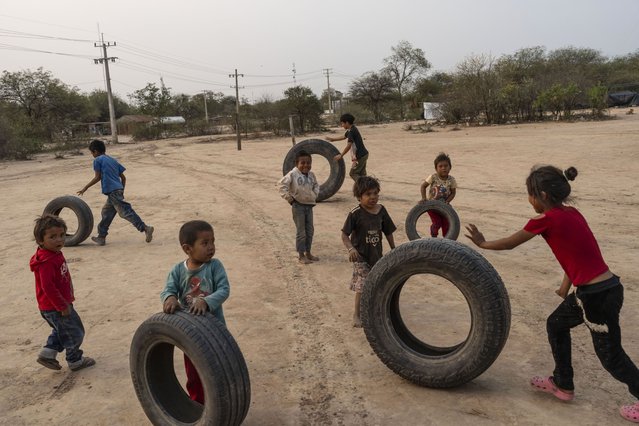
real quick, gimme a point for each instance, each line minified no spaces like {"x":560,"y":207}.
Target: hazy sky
{"x":195,"y":44}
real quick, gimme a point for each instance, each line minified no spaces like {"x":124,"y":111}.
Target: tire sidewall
{"x":444,"y":209}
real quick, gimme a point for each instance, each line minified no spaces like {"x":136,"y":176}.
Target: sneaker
{"x":83,"y":362}
{"x":49,"y":363}
{"x":309,"y":256}
{"x":630,"y":412}
{"x":99,"y":240}
{"x":148,"y":231}
{"x":304,"y":261}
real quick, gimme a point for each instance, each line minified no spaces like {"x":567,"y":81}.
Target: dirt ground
{"x":306,"y":362}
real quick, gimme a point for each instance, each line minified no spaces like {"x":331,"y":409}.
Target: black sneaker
{"x":148,"y":231}
{"x":84,"y":362}
{"x":99,"y":240}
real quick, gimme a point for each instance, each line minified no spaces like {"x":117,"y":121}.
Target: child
{"x":442,"y":187}
{"x":599,"y":293}
{"x":300,"y":188}
{"x":198,"y":283}
{"x":359,"y":154}
{"x":111,"y":174}
{"x":365,"y":225}
{"x":54,"y":291}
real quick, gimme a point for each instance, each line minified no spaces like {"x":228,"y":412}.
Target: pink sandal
{"x":546,"y":384}
{"x":630,"y":412}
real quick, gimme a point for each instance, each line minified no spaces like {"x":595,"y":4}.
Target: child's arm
{"x":353,"y":255}
{"x":565,"y":286}
{"x":284,"y":186}
{"x":215,"y":299}
{"x":169,"y":296}
{"x":391,"y":240}
{"x":453,"y":192}
{"x":507,"y":243}
{"x":330,"y":139}
{"x":348,"y":148}
{"x":423,"y":189}
{"x":123,"y":179}
{"x":96,"y":179}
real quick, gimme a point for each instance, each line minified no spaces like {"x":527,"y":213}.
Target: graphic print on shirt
{"x":195,"y":291}
{"x":64,"y":273}
{"x":372,"y":238}
{"x":439,"y":191}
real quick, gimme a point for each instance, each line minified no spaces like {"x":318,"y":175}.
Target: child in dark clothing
{"x":111,"y":174}
{"x":54,"y":291}
{"x":199,"y":284}
{"x":362,"y":235}
{"x":359,"y":153}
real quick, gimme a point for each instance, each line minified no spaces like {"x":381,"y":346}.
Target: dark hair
{"x":44,"y":222}
{"x":347,"y":118}
{"x":552,"y":181}
{"x":363,"y":184}
{"x":188,"y":231}
{"x":97,"y":145}
{"x":442,"y":156}
{"x":301,"y":154}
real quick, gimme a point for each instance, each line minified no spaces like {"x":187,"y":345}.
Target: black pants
{"x":600,"y":311}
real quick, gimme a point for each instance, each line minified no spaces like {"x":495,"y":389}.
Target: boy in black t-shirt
{"x":362,"y":235}
{"x":359,"y":154}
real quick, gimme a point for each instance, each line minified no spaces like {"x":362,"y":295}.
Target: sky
{"x":193,"y":45}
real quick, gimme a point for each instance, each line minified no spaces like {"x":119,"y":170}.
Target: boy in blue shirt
{"x":198,"y":284}
{"x":111,"y":175}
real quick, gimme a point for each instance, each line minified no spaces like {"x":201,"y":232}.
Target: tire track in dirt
{"x":326,"y":397}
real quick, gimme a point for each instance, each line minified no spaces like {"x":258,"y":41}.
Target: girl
{"x":443,"y":187}
{"x":599,"y":293}
{"x":362,"y":235}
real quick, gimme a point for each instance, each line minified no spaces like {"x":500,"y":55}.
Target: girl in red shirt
{"x":598,"y":297}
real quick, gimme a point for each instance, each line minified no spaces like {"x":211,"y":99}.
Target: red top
{"x":571,"y":241}
{"x":54,"y":289}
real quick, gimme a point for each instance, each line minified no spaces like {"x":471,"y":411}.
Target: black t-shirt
{"x":355,"y":137}
{"x":365,"y":230}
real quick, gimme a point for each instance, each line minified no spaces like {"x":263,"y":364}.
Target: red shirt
{"x":54,"y":289}
{"x":571,"y":241}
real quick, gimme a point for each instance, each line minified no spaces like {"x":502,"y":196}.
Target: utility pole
{"x":327,"y":72}
{"x":205,"y":93}
{"x":294,"y":72}
{"x":105,"y":60}
{"x":237,"y":108}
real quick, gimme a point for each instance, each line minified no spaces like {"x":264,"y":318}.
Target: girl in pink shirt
{"x":598,"y":297}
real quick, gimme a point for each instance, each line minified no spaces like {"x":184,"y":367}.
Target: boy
{"x":359,"y":154}
{"x":198,"y":283}
{"x":54,"y":292}
{"x":111,"y":175}
{"x":362,"y":235}
{"x":443,"y":187}
{"x":300,"y":188}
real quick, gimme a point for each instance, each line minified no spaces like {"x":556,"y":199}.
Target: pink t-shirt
{"x":571,"y":241}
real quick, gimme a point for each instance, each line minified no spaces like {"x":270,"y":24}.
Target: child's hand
{"x":199,"y":307}
{"x":475,"y":236}
{"x":170,"y":305}
{"x":65,"y":313}
{"x":337,"y":157}
{"x":353,"y":255}
{"x":561,"y":293}
{"x":80,"y":192}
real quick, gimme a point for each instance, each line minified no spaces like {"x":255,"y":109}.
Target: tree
{"x":43,"y":103}
{"x":302,"y":102}
{"x":99,"y":102}
{"x":153,"y":100}
{"x":371,"y":90}
{"x":404,"y":65}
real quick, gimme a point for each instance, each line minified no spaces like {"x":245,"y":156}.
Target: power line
{"x":20,"y":34}
{"x":28,"y":49}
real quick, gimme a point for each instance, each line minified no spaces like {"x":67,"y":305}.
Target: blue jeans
{"x":115,"y":204}
{"x":600,"y":311}
{"x":303,"y":218}
{"x":67,"y":333}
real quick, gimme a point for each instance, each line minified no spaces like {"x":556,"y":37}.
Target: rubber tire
{"x":216,"y":356}
{"x":399,"y":349}
{"x":82,"y":212}
{"x":327,"y":150}
{"x":440,"y":207}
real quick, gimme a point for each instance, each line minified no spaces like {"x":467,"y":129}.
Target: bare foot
{"x":309,"y":256}
{"x":357,"y":323}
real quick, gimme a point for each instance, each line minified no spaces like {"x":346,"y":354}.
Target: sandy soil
{"x":307,"y":364}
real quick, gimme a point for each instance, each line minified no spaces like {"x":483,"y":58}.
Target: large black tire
{"x":444,"y":209}
{"x":413,"y":359}
{"x":81,"y":210}
{"x":216,"y":356}
{"x":326,"y":150}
